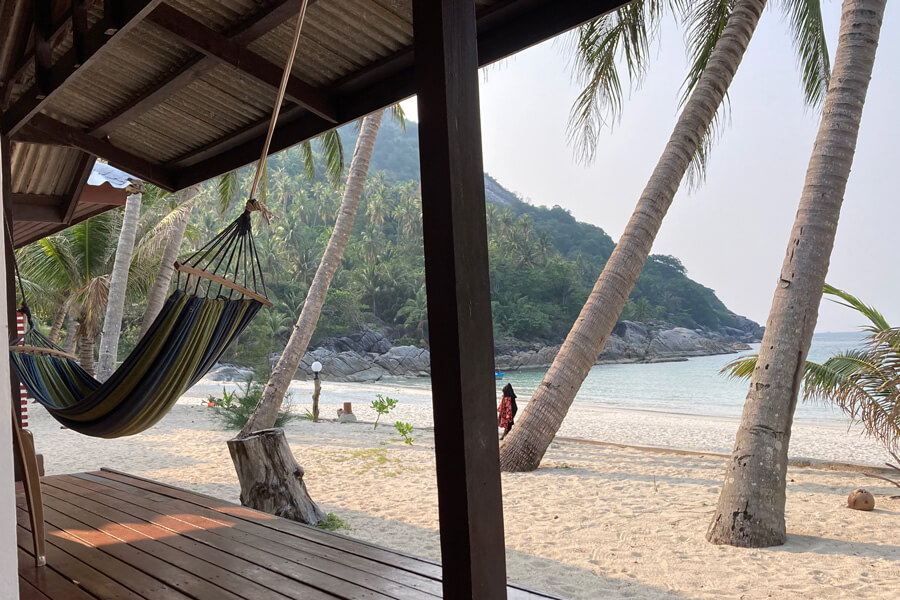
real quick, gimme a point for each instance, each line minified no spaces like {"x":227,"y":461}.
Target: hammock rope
{"x":218,"y":291}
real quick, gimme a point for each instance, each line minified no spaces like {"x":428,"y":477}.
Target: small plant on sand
{"x":332,"y":523}
{"x":382,"y":406}
{"x":404,"y":429}
{"x":233,"y":409}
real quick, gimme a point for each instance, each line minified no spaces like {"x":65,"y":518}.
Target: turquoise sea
{"x":691,"y":387}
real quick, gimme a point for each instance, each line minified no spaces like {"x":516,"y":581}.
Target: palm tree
{"x":750,"y":511}
{"x":176,"y":222}
{"x":76,"y":263}
{"x":415,"y":313}
{"x":118,"y":283}
{"x":720,"y":32}
{"x":861,"y":382}
{"x":273,"y":395}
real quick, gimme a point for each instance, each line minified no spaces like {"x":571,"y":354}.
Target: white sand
{"x":591,"y":522}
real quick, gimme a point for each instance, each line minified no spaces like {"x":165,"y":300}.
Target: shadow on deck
{"x":112,"y":535}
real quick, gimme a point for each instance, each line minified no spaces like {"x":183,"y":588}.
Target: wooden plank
{"x":220,"y":568}
{"x":242,"y":539}
{"x":96,"y":571}
{"x":29,"y":592}
{"x":42,"y":12}
{"x":79,"y":15}
{"x":336,"y":541}
{"x":193,"y":577}
{"x":190,"y":270}
{"x":457,"y":283}
{"x":26,"y":349}
{"x":48,"y":581}
{"x":213,"y":44}
{"x":76,"y":186}
{"x":71,"y":136}
{"x":97,"y":41}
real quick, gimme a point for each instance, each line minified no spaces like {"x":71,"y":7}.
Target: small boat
{"x":499,"y":374}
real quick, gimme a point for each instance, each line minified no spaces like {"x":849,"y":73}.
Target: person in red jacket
{"x":507,"y":409}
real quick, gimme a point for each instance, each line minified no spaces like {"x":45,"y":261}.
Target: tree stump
{"x":271,"y":480}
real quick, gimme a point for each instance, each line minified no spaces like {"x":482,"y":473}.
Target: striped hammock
{"x":207,"y":311}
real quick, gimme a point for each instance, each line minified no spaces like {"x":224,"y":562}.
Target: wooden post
{"x":317,"y":389}
{"x":459,"y":304}
{"x":8,"y":561}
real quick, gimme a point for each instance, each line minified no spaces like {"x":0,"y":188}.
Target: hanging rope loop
{"x":279,"y":99}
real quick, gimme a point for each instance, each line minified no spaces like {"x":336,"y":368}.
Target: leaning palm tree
{"x":750,"y":510}
{"x":118,"y":283}
{"x":863,"y":382}
{"x":270,"y":403}
{"x":719,"y":32}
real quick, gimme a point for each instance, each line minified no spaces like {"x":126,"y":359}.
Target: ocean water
{"x":692,"y":387}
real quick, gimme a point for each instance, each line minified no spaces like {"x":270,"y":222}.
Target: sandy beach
{"x":593,"y":521}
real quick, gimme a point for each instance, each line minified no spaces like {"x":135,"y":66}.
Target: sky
{"x":732,"y":232}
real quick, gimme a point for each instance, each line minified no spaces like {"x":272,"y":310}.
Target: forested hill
{"x":664,"y":291}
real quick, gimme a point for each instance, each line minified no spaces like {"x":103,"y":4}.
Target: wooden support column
{"x":8,"y":256}
{"x":459,"y":302}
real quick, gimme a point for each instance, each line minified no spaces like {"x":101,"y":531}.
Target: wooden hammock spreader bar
{"x":204,"y":274}
{"x":26,"y":349}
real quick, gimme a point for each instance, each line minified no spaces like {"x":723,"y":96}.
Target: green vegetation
{"x":234,"y":408}
{"x":861,"y":382}
{"x":332,"y":523}
{"x":404,"y":429}
{"x":543,"y":261}
{"x":382,"y":406}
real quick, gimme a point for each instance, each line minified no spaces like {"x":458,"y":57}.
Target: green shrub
{"x":332,"y":523}
{"x":233,"y":409}
{"x":404,"y":429}
{"x":382,"y":406}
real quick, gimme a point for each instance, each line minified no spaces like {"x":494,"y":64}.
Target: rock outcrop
{"x":369,"y":356}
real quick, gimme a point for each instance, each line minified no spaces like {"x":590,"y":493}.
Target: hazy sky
{"x":731,"y":233}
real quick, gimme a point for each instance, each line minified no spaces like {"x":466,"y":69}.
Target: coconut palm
{"x":750,"y":511}
{"x":864,"y":382}
{"x":118,"y":283}
{"x":273,"y":395}
{"x":77,"y":263}
{"x":415,"y":313}
{"x":718,"y":32}
{"x":175,"y":223}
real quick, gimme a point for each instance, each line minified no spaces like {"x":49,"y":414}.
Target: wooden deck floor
{"x":116,"y":536}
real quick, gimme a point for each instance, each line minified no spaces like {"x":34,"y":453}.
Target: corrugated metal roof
{"x":148,"y":98}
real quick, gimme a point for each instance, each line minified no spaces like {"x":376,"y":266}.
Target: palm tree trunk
{"x":71,"y":340}
{"x":160,"y":289}
{"x":86,"y":353}
{"x":750,"y":511}
{"x":115,"y":307}
{"x":270,"y":403}
{"x":58,"y":322}
{"x":524,"y":448}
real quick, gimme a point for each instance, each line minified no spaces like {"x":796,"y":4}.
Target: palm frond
{"x":808,"y":34}
{"x":334,"y":156}
{"x":879,"y":323}
{"x":227,"y":190}
{"x":596,"y":47}
{"x":740,"y":368}
{"x":399,"y":115}
{"x":308,"y":159}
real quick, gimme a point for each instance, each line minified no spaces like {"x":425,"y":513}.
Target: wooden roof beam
{"x":389,"y":81}
{"x":37,"y":208}
{"x":254,"y":27}
{"x":96,"y":41}
{"x":76,"y":186}
{"x":66,"y":135}
{"x":215,"y":45}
